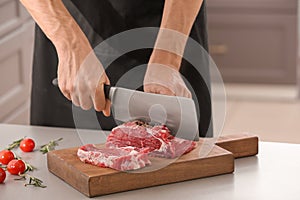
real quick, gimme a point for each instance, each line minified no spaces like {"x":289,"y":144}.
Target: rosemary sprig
{"x":14,"y":144}
{"x":29,"y":167}
{"x":35,"y":182}
{"x":17,"y":157}
{"x":3,"y":166}
{"x":50,"y":146}
{"x":21,"y":178}
{"x":32,"y":180}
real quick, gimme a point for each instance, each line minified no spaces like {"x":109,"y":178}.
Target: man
{"x":62,"y":46}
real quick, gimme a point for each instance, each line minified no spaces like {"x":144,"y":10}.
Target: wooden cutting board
{"x":94,"y":181}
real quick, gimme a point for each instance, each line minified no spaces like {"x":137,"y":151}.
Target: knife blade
{"x":177,"y":113}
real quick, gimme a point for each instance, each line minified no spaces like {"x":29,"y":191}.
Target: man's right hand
{"x":81,"y":76}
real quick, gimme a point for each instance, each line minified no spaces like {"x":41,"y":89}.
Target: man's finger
{"x":85,"y":102}
{"x":75,"y":100}
{"x":64,"y":91}
{"x":106,"y":110}
{"x":166,"y":91}
{"x":67,"y":95}
{"x":99,"y":98}
{"x":189,"y":94}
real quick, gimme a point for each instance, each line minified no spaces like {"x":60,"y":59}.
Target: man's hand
{"x":162,"y":79}
{"x":163,"y":76}
{"x":81,"y":78}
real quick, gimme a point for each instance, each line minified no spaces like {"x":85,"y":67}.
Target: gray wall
{"x":16,"y":46}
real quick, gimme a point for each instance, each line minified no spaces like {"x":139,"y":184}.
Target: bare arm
{"x":56,"y":22}
{"x":178,"y":15}
{"x":162,"y":73}
{"x":75,"y":80}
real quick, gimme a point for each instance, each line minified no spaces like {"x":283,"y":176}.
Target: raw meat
{"x":125,"y":158}
{"x":157,"y":138}
{"x":128,"y":147}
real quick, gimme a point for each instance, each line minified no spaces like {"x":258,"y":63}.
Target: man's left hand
{"x":162,"y":79}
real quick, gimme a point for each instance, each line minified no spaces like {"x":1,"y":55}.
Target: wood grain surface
{"x":240,"y":145}
{"x":94,"y":181}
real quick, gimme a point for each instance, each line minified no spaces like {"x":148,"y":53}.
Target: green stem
{"x":15,"y":144}
{"x":50,"y":146}
{"x":32,"y":181}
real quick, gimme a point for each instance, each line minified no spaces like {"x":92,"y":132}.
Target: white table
{"x":273,"y":174}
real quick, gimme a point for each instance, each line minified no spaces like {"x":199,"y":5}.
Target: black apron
{"x":107,"y":18}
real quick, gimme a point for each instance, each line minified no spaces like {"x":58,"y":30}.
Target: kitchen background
{"x":254,"y":44}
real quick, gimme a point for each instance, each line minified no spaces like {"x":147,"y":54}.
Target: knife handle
{"x":107,"y":90}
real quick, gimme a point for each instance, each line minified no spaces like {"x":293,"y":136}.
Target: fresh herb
{"x":29,"y":167}
{"x":3,"y":166}
{"x":32,"y":180}
{"x":50,"y":146}
{"x":17,"y":157}
{"x":35,"y":182}
{"x":14,"y":144}
{"x":21,"y":178}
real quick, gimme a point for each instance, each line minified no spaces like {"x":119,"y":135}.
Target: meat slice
{"x":125,"y":158}
{"x":128,"y":146}
{"x":157,"y":139}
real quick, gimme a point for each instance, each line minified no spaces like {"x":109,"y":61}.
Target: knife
{"x":177,"y":113}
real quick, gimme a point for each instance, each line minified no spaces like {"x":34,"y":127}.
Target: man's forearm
{"x":178,"y":15}
{"x":56,"y":22}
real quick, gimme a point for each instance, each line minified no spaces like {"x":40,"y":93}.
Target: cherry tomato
{"x":16,"y":167}
{"x":2,"y":175}
{"x":27,"y":145}
{"x":6,"y":156}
